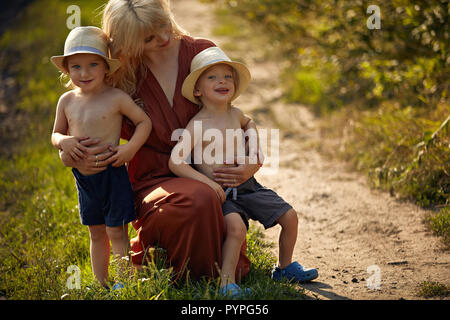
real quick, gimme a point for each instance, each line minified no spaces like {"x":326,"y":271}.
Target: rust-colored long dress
{"x":183,"y":216}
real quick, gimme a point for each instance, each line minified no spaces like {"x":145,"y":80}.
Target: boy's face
{"x":87,"y":71}
{"x":216,"y":85}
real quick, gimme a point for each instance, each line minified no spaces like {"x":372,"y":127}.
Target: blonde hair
{"x":126,"y":23}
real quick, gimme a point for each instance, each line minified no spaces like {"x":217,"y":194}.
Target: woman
{"x":181,"y":215}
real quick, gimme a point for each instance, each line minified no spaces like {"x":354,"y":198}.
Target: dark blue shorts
{"x":253,"y":201}
{"x":105,"y":197}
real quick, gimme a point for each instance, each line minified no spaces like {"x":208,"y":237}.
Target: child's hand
{"x":219,"y":190}
{"x":123,"y":154}
{"x":73,"y":147}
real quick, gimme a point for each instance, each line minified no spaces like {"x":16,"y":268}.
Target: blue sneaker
{"x":232,"y":290}
{"x":118,"y":286}
{"x":294,"y":272}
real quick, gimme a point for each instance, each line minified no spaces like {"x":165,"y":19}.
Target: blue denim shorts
{"x":105,"y":197}
{"x":253,"y":201}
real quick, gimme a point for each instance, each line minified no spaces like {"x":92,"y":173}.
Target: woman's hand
{"x":234,"y":176}
{"x":95,"y":160}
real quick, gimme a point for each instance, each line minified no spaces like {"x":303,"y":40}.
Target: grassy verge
{"x":439,"y":222}
{"x":404,"y":151}
{"x":43,"y":246}
{"x":430,"y":289}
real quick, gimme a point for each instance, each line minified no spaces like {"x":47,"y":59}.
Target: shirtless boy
{"x":94,"y":109}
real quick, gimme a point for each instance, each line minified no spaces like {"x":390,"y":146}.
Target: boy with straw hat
{"x":214,"y":82}
{"x":93,"y":109}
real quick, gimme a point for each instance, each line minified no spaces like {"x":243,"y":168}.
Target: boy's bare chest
{"x":221,"y":135}
{"x":92,"y":115}
{"x":223,"y":125}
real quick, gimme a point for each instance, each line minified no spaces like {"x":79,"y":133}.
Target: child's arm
{"x":60,"y":139}
{"x":181,"y":168}
{"x":249,"y":127}
{"x":143,"y":124}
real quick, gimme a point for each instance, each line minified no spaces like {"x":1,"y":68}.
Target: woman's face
{"x":158,"y":40}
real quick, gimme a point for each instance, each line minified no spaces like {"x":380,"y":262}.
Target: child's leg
{"x":119,"y":240}
{"x":288,"y":237}
{"x":100,"y":251}
{"x":236,"y":231}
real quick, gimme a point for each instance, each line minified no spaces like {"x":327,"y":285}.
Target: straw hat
{"x":86,"y":40}
{"x":208,"y":58}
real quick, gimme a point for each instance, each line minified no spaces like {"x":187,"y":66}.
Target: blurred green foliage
{"x":335,"y":58}
{"x":26,"y":47}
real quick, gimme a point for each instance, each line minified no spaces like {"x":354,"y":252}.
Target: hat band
{"x":86,"y":48}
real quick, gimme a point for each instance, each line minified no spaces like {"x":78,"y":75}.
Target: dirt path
{"x":353,"y":235}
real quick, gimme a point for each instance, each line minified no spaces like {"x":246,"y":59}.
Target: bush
{"x":407,"y":59}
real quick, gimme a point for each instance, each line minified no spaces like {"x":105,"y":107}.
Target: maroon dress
{"x":181,"y":215}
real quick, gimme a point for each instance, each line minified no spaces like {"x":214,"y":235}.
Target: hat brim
{"x":188,"y":87}
{"x":113,"y":64}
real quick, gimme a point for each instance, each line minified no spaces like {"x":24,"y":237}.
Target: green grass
{"x":41,"y":236}
{"x":432,"y":289}
{"x":439,"y":222}
{"x":404,"y":150}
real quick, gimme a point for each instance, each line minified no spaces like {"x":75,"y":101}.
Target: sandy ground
{"x":365,"y":244}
